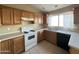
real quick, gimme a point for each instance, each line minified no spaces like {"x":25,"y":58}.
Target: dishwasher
{"x":63,"y":40}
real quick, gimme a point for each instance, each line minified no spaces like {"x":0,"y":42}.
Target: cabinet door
{"x":44,"y":18}
{"x":40,"y":36}
{"x":25,"y":14}
{"x":5,"y":47}
{"x":0,"y":47}
{"x":17,"y":16}
{"x":7,"y":16}
{"x":0,"y":16}
{"x":31,"y":16}
{"x":76,"y":15}
{"x":28,"y":15}
{"x":50,"y":36}
{"x":18,"y":46}
{"x":38,"y":18}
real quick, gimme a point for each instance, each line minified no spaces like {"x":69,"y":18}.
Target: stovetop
{"x":29,"y":31}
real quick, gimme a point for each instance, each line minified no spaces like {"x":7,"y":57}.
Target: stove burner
{"x":26,"y":32}
{"x":32,"y":30}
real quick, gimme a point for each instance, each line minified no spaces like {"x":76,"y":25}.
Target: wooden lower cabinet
{"x":18,"y":45}
{"x":12,"y":46}
{"x":40,"y":35}
{"x":50,"y":36}
{"x":73,"y":50}
{"x":5,"y":47}
{"x":0,"y":47}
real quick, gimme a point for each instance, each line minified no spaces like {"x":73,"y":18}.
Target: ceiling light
{"x":55,"y":6}
{"x":43,"y":7}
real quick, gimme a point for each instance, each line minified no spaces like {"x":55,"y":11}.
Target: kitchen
{"x":39,"y":29}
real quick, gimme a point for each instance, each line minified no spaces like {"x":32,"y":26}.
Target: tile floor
{"x":44,"y":47}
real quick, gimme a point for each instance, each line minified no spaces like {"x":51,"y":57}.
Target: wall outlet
{"x":8,"y":29}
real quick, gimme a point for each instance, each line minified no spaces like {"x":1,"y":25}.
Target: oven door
{"x":30,"y":39}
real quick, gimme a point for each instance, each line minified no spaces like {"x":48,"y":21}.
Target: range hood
{"x":27,"y":19}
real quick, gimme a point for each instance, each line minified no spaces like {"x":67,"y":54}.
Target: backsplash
{"x":9,"y":28}
{"x":4,"y":29}
{"x":75,"y":28}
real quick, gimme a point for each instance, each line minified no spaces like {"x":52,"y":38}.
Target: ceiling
{"x":49,"y":7}
{"x":40,"y":7}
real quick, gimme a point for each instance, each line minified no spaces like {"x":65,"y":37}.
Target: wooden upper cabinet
{"x":0,"y":16}
{"x":17,"y":16}
{"x":10,"y":16}
{"x":39,"y":18}
{"x":7,"y":16}
{"x":25,"y":14}
{"x":31,"y":16}
{"x":44,"y":18}
{"x":28,"y":15}
{"x":36,"y":19}
{"x":76,"y":15}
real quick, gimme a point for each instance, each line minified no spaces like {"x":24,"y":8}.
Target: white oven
{"x":30,"y":37}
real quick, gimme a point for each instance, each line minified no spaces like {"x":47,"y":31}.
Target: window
{"x":53,"y":20}
{"x":62,"y":20}
{"x":61,"y":23}
{"x":68,"y":19}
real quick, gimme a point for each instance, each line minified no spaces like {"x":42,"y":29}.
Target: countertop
{"x":7,"y":36}
{"x":10,"y":36}
{"x":74,"y":39}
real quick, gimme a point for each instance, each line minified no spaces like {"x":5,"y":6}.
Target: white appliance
{"x":30,"y":37}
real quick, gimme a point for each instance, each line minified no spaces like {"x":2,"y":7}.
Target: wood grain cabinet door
{"x":17,"y":16}
{"x":12,"y":46}
{"x":25,"y":14}
{"x":40,"y":35}
{"x":18,"y":45}
{"x":31,"y":16}
{"x":5,"y":47}
{"x":0,"y":16}
{"x":44,"y":18}
{"x":38,"y":18}
{"x":76,"y":15}
{"x":0,"y":47}
{"x":7,"y":16}
{"x":50,"y":36}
